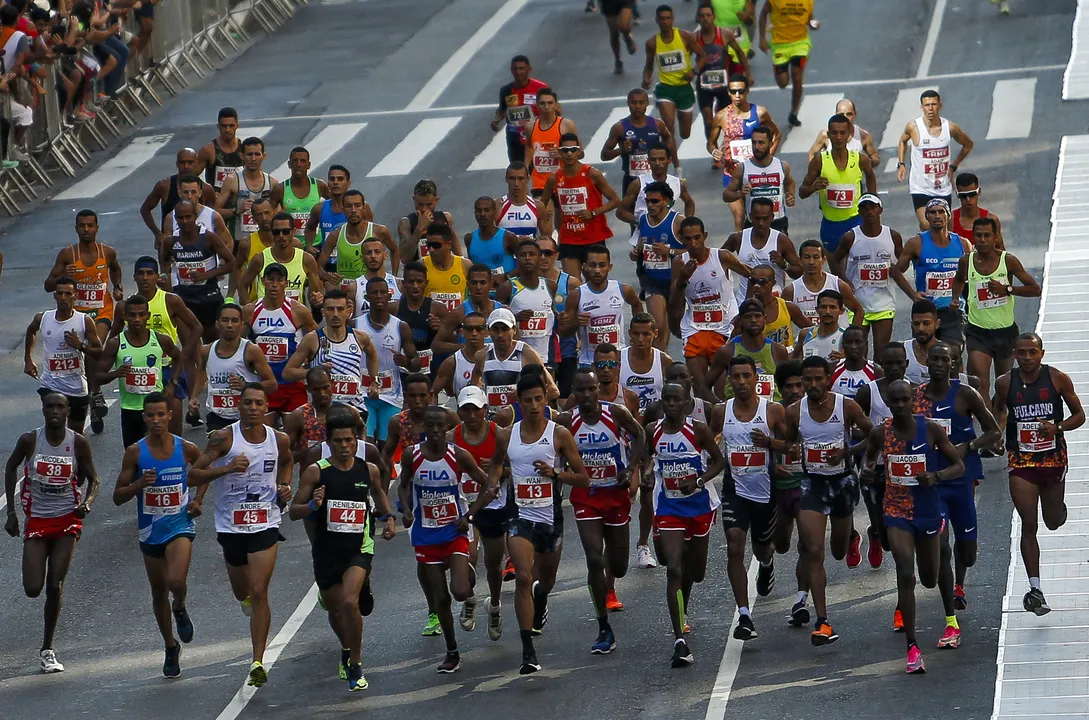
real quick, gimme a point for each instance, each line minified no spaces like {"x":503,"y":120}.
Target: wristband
{"x":900,"y":165}
{"x":313,"y":505}
{"x":953,"y":168}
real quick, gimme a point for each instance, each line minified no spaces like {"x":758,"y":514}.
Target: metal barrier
{"x":190,"y":38}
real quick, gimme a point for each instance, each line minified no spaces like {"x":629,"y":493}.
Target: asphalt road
{"x":364,"y":62}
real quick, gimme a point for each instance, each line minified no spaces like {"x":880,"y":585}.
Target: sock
{"x":743,"y":610}
{"x":951,"y":621}
{"x":803,"y":596}
{"x":912,"y":644}
{"x":527,"y":640}
{"x":494,"y":608}
{"x":603,"y":624}
{"x":678,"y":641}
{"x":1034,"y":583}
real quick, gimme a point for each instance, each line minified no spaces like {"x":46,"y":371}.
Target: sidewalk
{"x":1076,"y":77}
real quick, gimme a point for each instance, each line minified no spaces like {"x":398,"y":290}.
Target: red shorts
{"x":1041,"y":477}
{"x":39,"y":528}
{"x":287,"y":397}
{"x":611,"y":504}
{"x":440,"y":554}
{"x":694,"y":527}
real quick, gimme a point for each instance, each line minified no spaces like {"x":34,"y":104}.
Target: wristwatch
{"x":470,"y":517}
{"x":953,"y":168}
{"x":900,"y":165}
{"x":1009,"y":289}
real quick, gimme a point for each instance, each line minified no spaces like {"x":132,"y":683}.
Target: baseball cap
{"x":870,"y":198}
{"x":501,"y":316}
{"x":274,"y":267}
{"x":472,"y":395}
{"x":750,"y":306}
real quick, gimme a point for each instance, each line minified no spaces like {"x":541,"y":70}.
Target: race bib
{"x":748,"y":460}
{"x":91,"y":295}
{"x":140,"y":381}
{"x":904,"y":469}
{"x":712,"y":79}
{"x":673,"y":472}
{"x":768,"y":186}
{"x":345,"y":516}
{"x":1030,"y":439}
{"x":535,"y":326}
{"x":544,"y":159}
{"x":470,"y":489}
{"x":985,"y":299}
{"x":765,"y":385}
{"x":53,"y":469}
{"x":519,"y":116}
{"x":300,"y":219}
{"x":817,"y":458}
{"x":501,"y":395}
{"x":792,"y":461}
{"x":707,"y":313}
{"x":222,"y":173}
{"x":945,"y":423}
{"x":424,"y":356}
{"x":841,"y":197}
{"x":671,"y":61}
{"x":225,"y":401}
{"x":740,"y":150}
{"x":162,"y":500}
{"x":447,"y":299}
{"x":248,"y":224}
{"x":422,"y":248}
{"x":345,"y":387}
{"x":639,"y":164}
{"x":437,"y":510}
{"x":533,"y":492}
{"x":936,"y":165}
{"x":573,"y":200}
{"x":604,"y":329}
{"x":274,"y":348}
{"x":939,"y":284}
{"x":250,"y":517}
{"x":654,"y":261}
{"x":600,"y":467}
{"x":66,"y":362}
{"x":187,"y":272}
{"x":384,"y":380}
{"x":873,"y":274}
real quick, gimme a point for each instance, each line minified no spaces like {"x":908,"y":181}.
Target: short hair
{"x":281,"y":216}
{"x":442,"y":230}
{"x":338,"y":421}
{"x":226,"y":112}
{"x":742,"y":360}
{"x":526,"y":243}
{"x":599,"y":249}
{"x":531,"y":369}
{"x":839,"y":118}
{"x":334,"y":294}
{"x":254,"y":386}
{"x":606,"y":349}
{"x":9,"y":15}
{"x":155,"y":397}
{"x":585,"y":370}
{"x":811,"y":243}
{"x":479,"y":268}
{"x":965,"y":179}
{"x":693,"y":221}
{"x":854,"y":328}
{"x":519,"y":59}
{"x":834,"y":294}
{"x":661,"y":9}
{"x":529,"y":382}
{"x":658,"y":145}
{"x":1031,"y":336}
{"x":355,"y":193}
{"x":253,"y":140}
{"x":787,"y":370}
{"x":484,"y":198}
{"x":414,"y":266}
{"x":339,"y":168}
{"x":517,"y":165}
{"x":416,"y":377}
{"x":66,"y":280}
{"x":985,"y":221}
{"x":763,"y":130}
{"x":643,"y":318}
{"x":661,"y":187}
{"x":474,"y":314}
{"x":374,"y":280}
{"x":548,"y":91}
{"x":188,"y":180}
{"x":570,"y":136}
{"x":135,"y":300}
{"x":816,"y":361}
{"x":930,"y":94}
{"x":317,"y":371}
{"x":923,"y":307}
{"x":738,"y":77}
{"x":762,"y":202}
{"x":228,"y":306}
{"x":425,"y":187}
{"x":638,"y":91}
{"x":299,"y":149}
{"x":87,"y":212}
{"x":895,"y":345}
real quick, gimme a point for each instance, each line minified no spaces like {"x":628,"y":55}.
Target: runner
{"x":424,"y":317}
{"x":924,"y":326}
{"x":632,"y":138}
{"x":721,"y":46}
{"x":787,"y":471}
{"x":853,"y":371}
{"x":542,"y":138}
{"x":821,"y":422}
{"x":166,"y":193}
{"x":531,"y":300}
{"x":412,"y":228}
{"x":912,"y":506}
{"x":192,"y":266}
{"x":456,"y":371}
{"x":584,"y":197}
{"x":536,"y":448}
{"x":633,"y":205}
{"x":491,"y":245}
{"x":191,"y":187}
{"x":991,"y":331}
{"x":343,"y":546}
{"x":222,"y":157}
{"x":824,"y":338}
{"x":517,"y":106}
{"x":738,"y":17}
{"x":446,"y":272}
{"x":499,"y":365}
{"x":564,"y":347}
{"x":254,"y":463}
{"x":686,"y":461}
{"x":931,"y":137}
{"x":392,"y":340}
{"x":300,"y":194}
{"x":791,"y":21}
{"x":346,"y":243}
{"x":1028,"y":401}
{"x":864,"y":257}
{"x":600,"y":305}
{"x":69,"y":343}
{"x":519,"y":212}
{"x":236,"y":195}
{"x":701,"y":300}
{"x":92,"y":265}
{"x":154,"y":472}
{"x":762,"y":245}
{"x":618,"y":17}
{"x":968,"y":195}
{"x":450,"y":337}
{"x":55,"y":462}
{"x":658,"y":233}
{"x":763,"y":177}
{"x":327,"y":215}
{"x":751,"y":341}
{"x":859,"y":139}
{"x":936,"y":255}
{"x":781,"y":317}
{"x":837,"y":176}
{"x":672,"y":49}
{"x":255,"y":246}
{"x":374,"y":264}
{"x":302,"y":276}
{"x":805,"y":291}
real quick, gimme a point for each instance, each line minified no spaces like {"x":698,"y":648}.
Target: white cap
{"x":472,"y":395}
{"x":502,"y":316}
{"x":870,"y":198}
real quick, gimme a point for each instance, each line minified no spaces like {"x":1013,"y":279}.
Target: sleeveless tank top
{"x":533,"y":494}
{"x":189,"y":259}
{"x":545,"y":142}
{"x":245,"y":502}
{"x":50,"y":477}
{"x":930,"y":161}
{"x":606,"y":311}
{"x":225,"y":163}
{"x":483,"y":451}
{"x":519,"y":219}
{"x":574,"y":195}
{"x":648,"y":385}
{"x":162,"y":508}
{"x":342,"y":524}
{"x":348,"y":363}
{"x":223,"y":400}
{"x":244,"y":222}
{"x":1028,"y":405}
{"x":92,"y":284}
{"x":839,"y":201}
{"x":296,"y":274}
{"x":387,"y":342}
{"x":959,"y":428}
{"x":868,"y":265}
{"x":806,"y":299}
{"x":749,"y":465}
{"x":709,"y":298}
{"x":300,"y":207}
{"x":422,"y":334}
{"x":436,"y":498}
{"x":936,"y":267}
{"x":636,"y":163}
{"x":754,"y":257}
{"x":767,"y":182}
{"x":277,"y":334}
{"x":904,"y":462}
{"x":447,"y":287}
{"x":678,"y":456}
{"x":63,"y":366}
{"x":658,"y":267}
{"x":820,"y":437}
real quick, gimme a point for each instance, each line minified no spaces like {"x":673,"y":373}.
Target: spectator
{"x":144,"y":13}
{"x":15,"y":45}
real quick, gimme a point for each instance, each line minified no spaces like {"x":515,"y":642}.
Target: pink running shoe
{"x":951,"y":638}
{"x":915,"y":661}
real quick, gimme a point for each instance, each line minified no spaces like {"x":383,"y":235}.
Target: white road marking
{"x":445,"y":75}
{"x":814,"y":116}
{"x":905,"y":109}
{"x":117,"y":168}
{"x":245,"y":693}
{"x":731,"y":658}
{"x":323,"y":145}
{"x":931,"y":39}
{"x":1012,"y":105}
{"x":256,"y":131}
{"x":421,"y":140}
{"x":593,"y":149}
{"x":493,"y":157}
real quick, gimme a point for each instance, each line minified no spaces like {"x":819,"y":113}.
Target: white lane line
{"x":905,"y":109}
{"x":445,"y":75}
{"x":597,"y":141}
{"x":242,"y":698}
{"x":814,"y":116}
{"x":931,"y":39}
{"x":421,"y":140}
{"x":695,"y":147}
{"x":256,"y":131}
{"x":117,"y":168}
{"x":731,"y":658}
{"x":493,"y":157}
{"x":322,"y":146}
{"x":1012,"y":105}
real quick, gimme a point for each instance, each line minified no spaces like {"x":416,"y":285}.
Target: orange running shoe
{"x":823,"y":635}
{"x":897,"y":621}
{"x":612,"y":603}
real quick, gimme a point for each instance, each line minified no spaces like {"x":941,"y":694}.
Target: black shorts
{"x":781,"y":224}
{"x":952,"y":327}
{"x":158,"y":550}
{"x":996,"y":343}
{"x":577,"y":252}
{"x":329,"y":567}
{"x":204,"y":308}
{"x":238,"y":546}
{"x":919,"y":200}
{"x":77,"y":406}
{"x":832,"y":495}
{"x":133,"y":429}
{"x":516,"y":147}
{"x":146,"y":10}
{"x":181,"y":382}
{"x":565,"y":374}
{"x":612,"y":8}
{"x":214,"y":422}
{"x":546,"y":537}
{"x":493,"y":523}
{"x":750,"y":516}
{"x":650,"y":286}
{"x":711,"y":98}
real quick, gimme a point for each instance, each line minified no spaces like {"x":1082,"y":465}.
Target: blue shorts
{"x":726,"y":180}
{"x":919,"y":527}
{"x":181,"y":383}
{"x":832,"y":231}
{"x":958,"y":502}
{"x":379,"y":413}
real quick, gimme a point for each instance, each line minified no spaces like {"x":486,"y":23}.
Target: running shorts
{"x":609,"y":504}
{"x":704,"y":343}
{"x":919,"y":527}
{"x":237,"y":547}
{"x":157,"y":551}
{"x":492,"y":523}
{"x":287,"y":397}
{"x":683,"y":97}
{"x":546,"y":537}
{"x":329,"y":568}
{"x":1041,"y":477}
{"x":790,"y":54}
{"x":53,"y":528}
{"x":997,"y":343}
{"x":832,"y":231}
{"x":379,"y":413}
{"x":952,"y":325}
{"x":832,"y":495}
{"x":757,"y":518}
{"x":440,"y":554}
{"x":693,"y":527}
{"x":958,"y":505}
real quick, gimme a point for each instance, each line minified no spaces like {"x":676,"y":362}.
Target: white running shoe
{"x":48,"y":660}
{"x":644,"y":558}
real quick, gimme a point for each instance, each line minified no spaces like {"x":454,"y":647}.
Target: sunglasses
{"x":281,"y":231}
{"x":570,"y":149}
{"x":434,"y":244}
{"x":967,"y":193}
{"x":548,"y":253}
{"x":603,"y":364}
{"x":760,"y":281}
{"x":474,"y":328}
{"x":737,"y":91}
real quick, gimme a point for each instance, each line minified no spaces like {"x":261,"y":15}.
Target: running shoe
{"x":1004,"y":7}
{"x":432,"y":628}
{"x":854,"y":550}
{"x":959,"y":601}
{"x":605,"y":643}
{"x":48,"y":660}
{"x":682,"y":656}
{"x":765,"y":579}
{"x":247,"y":607}
{"x":618,"y":67}
{"x":1034,"y":602}
{"x":915,"y":664}
{"x":342,"y":671}
{"x":629,"y":43}
{"x":99,"y":409}
{"x":799,"y":615}
{"x":823,"y":635}
{"x":612,"y":602}
{"x":950,"y":638}
{"x":508,"y":572}
{"x":356,"y":681}
{"x":644,"y":558}
{"x":590,"y":6}
{"x":529,"y":663}
{"x":258,"y":675}
{"x":172,"y":665}
{"x":450,"y":663}
{"x":687,"y":628}
{"x":495,"y":622}
{"x":366,"y":598}
{"x":745,"y":629}
{"x":540,"y":610}
{"x":793,"y":120}
{"x":193,"y":418}
{"x":898,"y":621}
{"x":874,"y":552}
{"x":184,"y":625}
{"x":468,"y":615}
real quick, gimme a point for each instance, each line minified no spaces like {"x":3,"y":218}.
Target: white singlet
{"x":223,"y":400}
{"x":806,"y":299}
{"x":387,"y":341}
{"x":868,"y":264}
{"x":930,"y":161}
{"x":606,"y":311}
{"x":648,"y":385}
{"x":63,"y":366}
{"x":709,"y":298}
{"x":820,"y":437}
{"x":754,"y":257}
{"x":246,"y":502}
{"x":748,"y":463}
{"x":533,"y":494}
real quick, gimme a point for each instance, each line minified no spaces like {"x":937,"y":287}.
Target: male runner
{"x":791,"y":21}
{"x":423,"y":315}
{"x":762,"y":177}
{"x":565,"y":330}
{"x":222,"y":157}
{"x":300,"y":194}
{"x":787,"y":471}
{"x":337,"y":493}
{"x":446,"y":272}
{"x":167,"y":192}
{"x":853,"y":371}
{"x":606,"y":366}
{"x":1028,"y":401}
{"x":235,"y":197}
{"x":760,"y":244}
{"x":618,"y":18}
{"x":91,"y":265}
{"x":190,"y":188}
{"x":255,"y":245}
{"x":328,"y":215}
{"x":600,"y":303}
{"x":55,"y":462}
{"x":924,"y":326}
{"x":412,"y":228}
{"x":914,"y":448}
{"x":837,"y":176}
{"x":672,"y":49}
{"x":657,"y":243}
{"x":69,"y":342}
{"x":535,"y":448}
{"x":721,"y":46}
{"x":821,"y":422}
{"x":450,"y":337}
{"x":374,"y":261}
{"x":193,"y":264}
{"x":499,"y":364}
{"x":531,"y":300}
{"x":859,"y":139}
{"x":490,"y":245}
{"x":865,"y":257}
{"x":686,"y":460}
{"x":346,"y":242}
{"x":824,"y":338}
{"x":633,"y":205}
{"x":968,"y":195}
{"x":392,"y":340}
{"x":303,"y":279}
{"x":931,"y":137}
{"x":632,"y":138}
{"x":805,"y":290}
{"x":253,"y":464}
{"x":780,"y":316}
{"x":154,"y":471}
{"x":736,"y":124}
{"x":986,"y":274}
{"x":519,"y":212}
{"x":542,"y":138}
{"x":517,"y":106}
{"x":751,"y":341}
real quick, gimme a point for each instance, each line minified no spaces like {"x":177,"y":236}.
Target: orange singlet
{"x":92,"y":285}
{"x":545,"y":143}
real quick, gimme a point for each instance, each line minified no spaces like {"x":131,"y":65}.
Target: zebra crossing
{"x":463,"y":133}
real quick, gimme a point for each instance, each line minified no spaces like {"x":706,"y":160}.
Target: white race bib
{"x":162,"y":500}
{"x":533,"y":492}
{"x":345,"y":516}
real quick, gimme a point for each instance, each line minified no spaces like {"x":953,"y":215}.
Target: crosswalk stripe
{"x":117,"y":168}
{"x":322,"y":146}
{"x":493,"y":157}
{"x":257,"y":131}
{"x":415,"y":146}
{"x":695,"y":147}
{"x":1012,"y":105}
{"x":816,"y":109}
{"x":597,"y":141}
{"x":905,"y":108}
